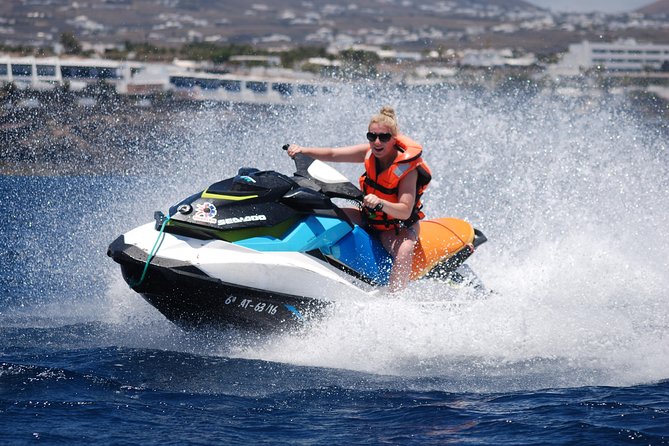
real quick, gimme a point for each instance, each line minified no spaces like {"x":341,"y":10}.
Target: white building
{"x":45,"y":73}
{"x":622,"y":55}
{"x":495,"y":58}
{"x":183,"y":78}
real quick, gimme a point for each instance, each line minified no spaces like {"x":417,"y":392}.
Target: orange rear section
{"x":439,"y":239}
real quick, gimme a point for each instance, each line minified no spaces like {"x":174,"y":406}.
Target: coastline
{"x":100,"y":132}
{"x":60,"y":133}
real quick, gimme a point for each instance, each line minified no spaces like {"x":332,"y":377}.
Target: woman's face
{"x":376,"y":134}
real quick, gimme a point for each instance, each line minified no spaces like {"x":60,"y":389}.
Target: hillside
{"x":400,"y":24}
{"x":657,"y":8}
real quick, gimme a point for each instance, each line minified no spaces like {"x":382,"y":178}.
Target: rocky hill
{"x":660,"y":7}
{"x":175,"y":21}
{"x":400,"y":24}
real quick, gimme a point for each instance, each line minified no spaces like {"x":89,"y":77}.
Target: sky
{"x":608,"y":6}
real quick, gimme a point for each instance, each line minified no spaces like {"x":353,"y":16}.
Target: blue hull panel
{"x":354,"y":248}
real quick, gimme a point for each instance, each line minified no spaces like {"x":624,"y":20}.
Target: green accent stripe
{"x":227,"y":197}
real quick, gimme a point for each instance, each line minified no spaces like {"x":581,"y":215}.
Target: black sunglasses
{"x":383,"y":137}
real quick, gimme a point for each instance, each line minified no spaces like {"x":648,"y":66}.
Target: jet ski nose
{"x":116,"y":247}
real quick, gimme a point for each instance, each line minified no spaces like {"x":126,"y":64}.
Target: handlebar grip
{"x":376,"y":208}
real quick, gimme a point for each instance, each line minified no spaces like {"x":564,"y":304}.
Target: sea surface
{"x":570,"y":346}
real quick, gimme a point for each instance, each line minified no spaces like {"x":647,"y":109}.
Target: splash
{"x":572,"y":195}
{"x":570,"y":192}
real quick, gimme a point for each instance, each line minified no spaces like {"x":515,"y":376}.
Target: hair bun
{"x":386,"y":116}
{"x":387,"y":110}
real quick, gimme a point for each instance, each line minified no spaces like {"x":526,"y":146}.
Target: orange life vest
{"x":385,"y":184}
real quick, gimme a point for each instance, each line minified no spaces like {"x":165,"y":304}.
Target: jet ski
{"x":263,"y":251}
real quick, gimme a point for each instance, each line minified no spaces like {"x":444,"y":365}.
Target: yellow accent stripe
{"x":228,"y":197}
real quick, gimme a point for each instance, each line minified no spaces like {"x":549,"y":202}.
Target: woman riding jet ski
{"x":395,"y":178}
{"x":265,"y":251}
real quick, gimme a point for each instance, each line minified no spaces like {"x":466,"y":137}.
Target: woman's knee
{"x":406,"y":247}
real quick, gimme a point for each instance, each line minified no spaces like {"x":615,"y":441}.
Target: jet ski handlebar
{"x":331,"y":182}
{"x":324,"y":178}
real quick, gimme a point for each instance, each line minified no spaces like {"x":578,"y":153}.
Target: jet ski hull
{"x":190,"y":298}
{"x":263,"y":251}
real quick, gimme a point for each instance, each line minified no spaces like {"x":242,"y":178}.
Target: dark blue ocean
{"x":570,"y":347}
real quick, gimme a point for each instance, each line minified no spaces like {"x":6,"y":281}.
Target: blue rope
{"x":151,"y":254}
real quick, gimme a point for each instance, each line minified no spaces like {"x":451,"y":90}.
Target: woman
{"x":394,"y":179}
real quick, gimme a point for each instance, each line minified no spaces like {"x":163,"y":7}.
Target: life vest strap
{"x":374,"y":185}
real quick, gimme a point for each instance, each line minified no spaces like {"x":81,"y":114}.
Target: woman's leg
{"x":401,"y":248}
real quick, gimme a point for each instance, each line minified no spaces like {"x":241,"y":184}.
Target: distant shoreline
{"x":54,"y":133}
{"x":49,"y":133}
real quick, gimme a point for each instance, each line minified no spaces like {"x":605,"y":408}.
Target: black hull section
{"x":191,"y":299}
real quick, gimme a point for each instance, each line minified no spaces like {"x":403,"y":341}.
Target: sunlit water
{"x":571,"y":193}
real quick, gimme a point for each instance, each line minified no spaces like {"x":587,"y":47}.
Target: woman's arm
{"x":406,"y":198}
{"x":348,"y":154}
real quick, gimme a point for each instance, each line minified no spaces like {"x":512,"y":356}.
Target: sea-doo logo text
{"x":248,"y":218}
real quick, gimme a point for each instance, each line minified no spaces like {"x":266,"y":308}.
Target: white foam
{"x":571,"y":194}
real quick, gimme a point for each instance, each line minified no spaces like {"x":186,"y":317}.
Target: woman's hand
{"x":371,"y":201}
{"x":293,"y":150}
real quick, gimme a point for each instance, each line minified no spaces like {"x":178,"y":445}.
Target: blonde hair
{"x":386,"y":116}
